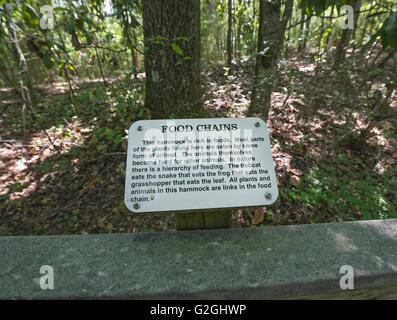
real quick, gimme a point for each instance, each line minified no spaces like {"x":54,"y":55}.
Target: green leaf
{"x":70,"y":27}
{"x":27,"y":18}
{"x":319,"y":6}
{"x":60,"y":46}
{"x":390,"y":28}
{"x":128,"y":76}
{"x":88,"y":20}
{"x":390,"y":25}
{"x":371,"y":41}
{"x":388,"y":33}
{"x":383,"y":40}
{"x":176,"y":48}
{"x":88,"y":37}
{"x":180,"y":38}
{"x":60,"y":9}
{"x":31,"y":11}
{"x":160,"y":38}
{"x":47,"y":61}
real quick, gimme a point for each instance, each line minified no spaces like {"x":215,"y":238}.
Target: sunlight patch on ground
{"x":19,"y":157}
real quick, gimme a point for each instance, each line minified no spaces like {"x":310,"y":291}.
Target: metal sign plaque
{"x":196,"y":164}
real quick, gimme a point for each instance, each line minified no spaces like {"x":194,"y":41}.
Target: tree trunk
{"x":329,"y":23}
{"x":229,"y":33}
{"x":65,"y":72}
{"x":24,"y":91}
{"x":270,"y":40}
{"x":136,"y":55}
{"x":23,"y":68}
{"x":301,"y":27}
{"x":238,"y":42}
{"x":134,"y":67}
{"x":356,"y":9}
{"x":98,"y":57}
{"x":217,"y":41}
{"x":320,"y":36}
{"x":271,"y":36}
{"x":126,"y":31}
{"x":274,"y":30}
{"x":340,"y":51}
{"x":287,"y":27}
{"x":306,"y":33}
{"x":172,"y":82}
{"x":261,"y":30}
{"x":253,"y":26}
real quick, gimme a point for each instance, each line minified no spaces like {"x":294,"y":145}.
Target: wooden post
{"x":205,"y":220}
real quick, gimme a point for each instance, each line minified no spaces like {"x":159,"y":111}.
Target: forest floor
{"x":326,"y":171}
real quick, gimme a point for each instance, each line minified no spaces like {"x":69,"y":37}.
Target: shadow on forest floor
{"x":80,"y":190}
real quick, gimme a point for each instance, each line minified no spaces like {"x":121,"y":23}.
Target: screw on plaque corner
{"x":136,"y":206}
{"x":140,"y":128}
{"x":257,"y":124}
{"x":268,"y":195}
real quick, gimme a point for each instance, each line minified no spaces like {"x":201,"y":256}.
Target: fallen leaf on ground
{"x":295,"y":181}
{"x":258,"y":216}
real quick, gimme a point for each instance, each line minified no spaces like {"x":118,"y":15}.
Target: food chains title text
{"x":200,"y":127}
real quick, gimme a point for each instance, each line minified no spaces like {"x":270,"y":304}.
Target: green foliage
{"x":387,"y":33}
{"x":122,"y":106}
{"x":176,"y":48}
{"x":319,"y":6}
{"x":349,"y":193}
{"x":93,"y":119}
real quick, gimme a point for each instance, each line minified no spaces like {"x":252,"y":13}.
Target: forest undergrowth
{"x":334,"y":147}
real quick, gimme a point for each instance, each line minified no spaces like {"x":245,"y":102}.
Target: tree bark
{"x":270,"y":41}
{"x":274,"y":30}
{"x":172,"y":83}
{"x":229,"y":33}
{"x":253,"y":26}
{"x":65,"y":71}
{"x":100,"y":66}
{"x":23,"y":68}
{"x":330,"y":23}
{"x":306,"y":33}
{"x":272,"y":33}
{"x":356,"y":8}
{"x":24,"y":91}
{"x":261,"y":31}
{"x":340,"y":51}
{"x":238,"y":42}
{"x":301,"y":27}
{"x":131,"y":39}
